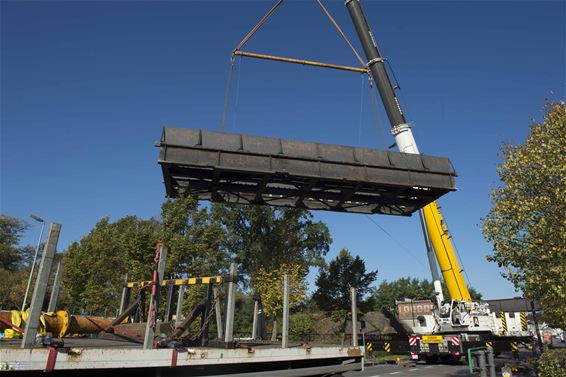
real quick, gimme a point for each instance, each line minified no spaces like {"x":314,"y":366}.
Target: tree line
{"x":265,"y":242}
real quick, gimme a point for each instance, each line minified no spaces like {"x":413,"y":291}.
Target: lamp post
{"x":38,"y":219}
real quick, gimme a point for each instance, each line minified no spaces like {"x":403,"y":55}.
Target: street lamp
{"x":40,"y":220}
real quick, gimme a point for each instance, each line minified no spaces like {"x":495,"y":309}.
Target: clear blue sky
{"x":87,"y":86}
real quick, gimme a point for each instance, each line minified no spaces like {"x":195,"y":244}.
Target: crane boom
{"x":445,"y":255}
{"x":401,"y":130}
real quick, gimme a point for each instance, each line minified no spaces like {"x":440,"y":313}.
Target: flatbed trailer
{"x":89,"y":357}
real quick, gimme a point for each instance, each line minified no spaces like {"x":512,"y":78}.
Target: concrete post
{"x":125,"y":295}
{"x":231,"y":304}
{"x":169,"y":307}
{"x":180,"y":300}
{"x":154,"y":304}
{"x":56,"y":287}
{"x":285,"y":329}
{"x":162,"y":262}
{"x":41,"y":286}
{"x":491,"y":362}
{"x":254,"y":322}
{"x":217,"y":311}
{"x":204,"y":323}
{"x":482,"y":363}
{"x":354,"y":317}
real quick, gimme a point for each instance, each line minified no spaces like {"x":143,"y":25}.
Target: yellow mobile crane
{"x":458,"y":323}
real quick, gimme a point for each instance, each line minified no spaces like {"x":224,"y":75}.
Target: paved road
{"x":420,"y":370}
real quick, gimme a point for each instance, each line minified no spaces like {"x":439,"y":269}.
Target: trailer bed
{"x":109,"y":358}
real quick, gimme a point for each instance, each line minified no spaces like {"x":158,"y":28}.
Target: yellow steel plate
{"x":432,"y":339}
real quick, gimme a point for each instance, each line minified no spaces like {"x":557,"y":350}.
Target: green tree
{"x":11,"y":231}
{"x":196,"y":239}
{"x":334,"y":283}
{"x":526,"y":223}
{"x":269,"y":283}
{"x":387,"y":293}
{"x":267,"y":237}
{"x":94,"y":270}
{"x":301,"y":327}
{"x":13,"y":289}
{"x":95,"y":266}
{"x":15,"y":262}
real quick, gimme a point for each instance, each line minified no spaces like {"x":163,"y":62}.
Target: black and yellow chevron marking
{"x":369,"y":347}
{"x":514,"y":346}
{"x":523,"y":317}
{"x":503,"y":321}
{"x":489,"y":344}
{"x":187,"y":281}
{"x":387,"y":347}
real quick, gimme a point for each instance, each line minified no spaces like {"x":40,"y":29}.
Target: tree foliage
{"x":13,"y":289}
{"x":552,"y":363}
{"x":526,"y":223}
{"x":334,"y":283}
{"x":15,"y":262}
{"x":301,"y":327}
{"x":267,"y":238}
{"x":269,"y":283}
{"x":11,"y":231}
{"x":387,"y":293}
{"x":95,"y":266}
{"x":196,"y":239}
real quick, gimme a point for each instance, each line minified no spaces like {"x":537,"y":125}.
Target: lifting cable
{"x":238,"y":52}
{"x":376,"y":112}
{"x":233,"y":60}
{"x":460,"y":260}
{"x":261,"y":22}
{"x":361,"y":112}
{"x":403,"y":247}
{"x":227,"y":94}
{"x":341,"y":33}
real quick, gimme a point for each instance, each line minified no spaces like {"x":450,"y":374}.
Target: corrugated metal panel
{"x":238,"y":168}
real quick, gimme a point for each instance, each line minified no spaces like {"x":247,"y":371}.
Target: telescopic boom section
{"x":405,"y":141}
{"x":376,"y":64}
{"x":445,"y":255}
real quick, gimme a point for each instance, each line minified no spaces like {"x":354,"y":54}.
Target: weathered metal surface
{"x":236,"y":168}
{"x":85,"y":354}
{"x":301,"y":62}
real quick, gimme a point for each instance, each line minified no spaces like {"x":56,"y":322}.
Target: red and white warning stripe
{"x":454,"y":339}
{"x":413,"y":340}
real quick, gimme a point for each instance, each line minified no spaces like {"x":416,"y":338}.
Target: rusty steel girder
{"x":234,"y":168}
